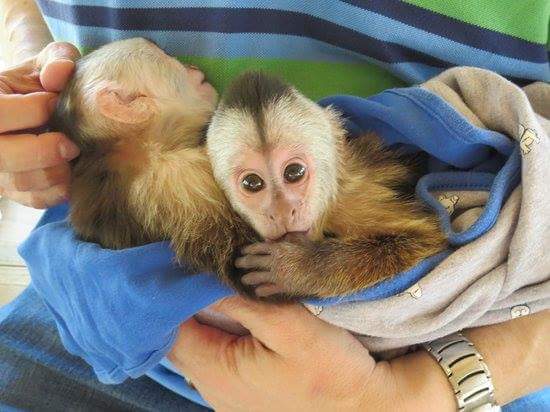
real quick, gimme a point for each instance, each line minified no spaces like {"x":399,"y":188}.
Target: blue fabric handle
{"x":119,"y":310}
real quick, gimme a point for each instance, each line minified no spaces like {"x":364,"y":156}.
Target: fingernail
{"x":62,"y":59}
{"x":68,"y":150}
{"x":52,"y":104}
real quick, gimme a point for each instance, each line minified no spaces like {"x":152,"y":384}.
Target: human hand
{"x":34,"y":169}
{"x":291,"y":361}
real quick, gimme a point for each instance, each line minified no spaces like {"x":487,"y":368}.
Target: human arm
{"x":23,"y":32}
{"x":516,"y":353}
{"x":270,"y":370}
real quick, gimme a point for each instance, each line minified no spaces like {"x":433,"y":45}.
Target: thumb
{"x":56,"y":63}
{"x":198,"y":346}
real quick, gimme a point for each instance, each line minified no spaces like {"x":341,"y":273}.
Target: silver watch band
{"x":466,"y":371}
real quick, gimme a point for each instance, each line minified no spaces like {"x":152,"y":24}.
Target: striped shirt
{"x":323,"y":46}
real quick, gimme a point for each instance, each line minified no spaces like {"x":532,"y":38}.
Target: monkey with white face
{"x":329,"y":209}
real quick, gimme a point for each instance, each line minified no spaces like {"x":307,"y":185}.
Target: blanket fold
{"x":495,"y":270}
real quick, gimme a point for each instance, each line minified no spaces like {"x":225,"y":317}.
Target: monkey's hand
{"x":269,"y":267}
{"x":297,"y":267}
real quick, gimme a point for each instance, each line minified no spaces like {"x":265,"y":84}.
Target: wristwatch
{"x":468,"y":374}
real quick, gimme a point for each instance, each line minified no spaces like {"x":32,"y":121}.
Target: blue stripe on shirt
{"x":238,"y":45}
{"x":383,"y":48}
{"x":456,"y":30}
{"x":380,"y":14}
{"x":239,"y":21}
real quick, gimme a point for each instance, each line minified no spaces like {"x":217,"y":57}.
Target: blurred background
{"x":16,"y":222}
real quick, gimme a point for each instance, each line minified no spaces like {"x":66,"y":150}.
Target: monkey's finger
{"x":257,"y":249}
{"x":257,"y":278}
{"x":33,"y":180}
{"x":25,"y":111}
{"x":23,"y":152}
{"x":56,"y":64}
{"x":41,"y":199}
{"x":253,"y":262}
{"x":269,"y":289}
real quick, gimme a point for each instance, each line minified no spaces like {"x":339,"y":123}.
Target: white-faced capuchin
{"x":139,"y":117}
{"x":328,"y":208}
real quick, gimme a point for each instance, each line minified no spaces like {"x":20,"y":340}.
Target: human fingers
{"x":226,"y":369}
{"x":33,"y":180}
{"x":56,"y":63}
{"x":199,"y":342}
{"x":25,"y":111}
{"x":281,"y":327}
{"x":200,"y":348}
{"x":48,"y":71}
{"x":24,"y":152}
{"x":23,"y":78}
{"x":40,"y":199}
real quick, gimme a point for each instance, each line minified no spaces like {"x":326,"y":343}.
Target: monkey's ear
{"x":121,"y":106}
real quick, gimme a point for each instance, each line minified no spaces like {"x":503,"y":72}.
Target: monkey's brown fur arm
{"x":333,"y":266}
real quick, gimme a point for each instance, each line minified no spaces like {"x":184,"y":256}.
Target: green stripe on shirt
{"x":526,"y":19}
{"x":314,"y":79}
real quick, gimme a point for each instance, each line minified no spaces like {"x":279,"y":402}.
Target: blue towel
{"x":119,"y":310}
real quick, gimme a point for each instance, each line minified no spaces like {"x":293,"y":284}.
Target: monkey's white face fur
{"x":131,"y":83}
{"x":279,"y":176}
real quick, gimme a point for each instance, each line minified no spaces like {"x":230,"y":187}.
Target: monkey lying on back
{"x":138,"y":117}
{"x":329,"y":209}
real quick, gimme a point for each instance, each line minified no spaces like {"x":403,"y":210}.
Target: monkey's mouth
{"x":292,"y":235}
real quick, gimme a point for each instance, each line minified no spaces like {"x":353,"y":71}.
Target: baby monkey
{"x":139,"y":117}
{"x":329,"y":209}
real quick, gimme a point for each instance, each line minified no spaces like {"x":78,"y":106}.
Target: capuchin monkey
{"x":329,"y":209}
{"x":139,"y":117}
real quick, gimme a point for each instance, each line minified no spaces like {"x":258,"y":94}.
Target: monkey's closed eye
{"x":252,"y":183}
{"x":294,"y":172}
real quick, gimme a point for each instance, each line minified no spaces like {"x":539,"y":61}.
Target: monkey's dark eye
{"x":294,"y":172}
{"x":252,"y":183}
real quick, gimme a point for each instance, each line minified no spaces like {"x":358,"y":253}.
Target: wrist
{"x":421,"y":383}
{"x":411,"y":382}
{"x":517,"y":348}
{"x":381,"y":390}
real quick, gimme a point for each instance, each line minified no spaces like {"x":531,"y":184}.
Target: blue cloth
{"x":119,"y":310}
